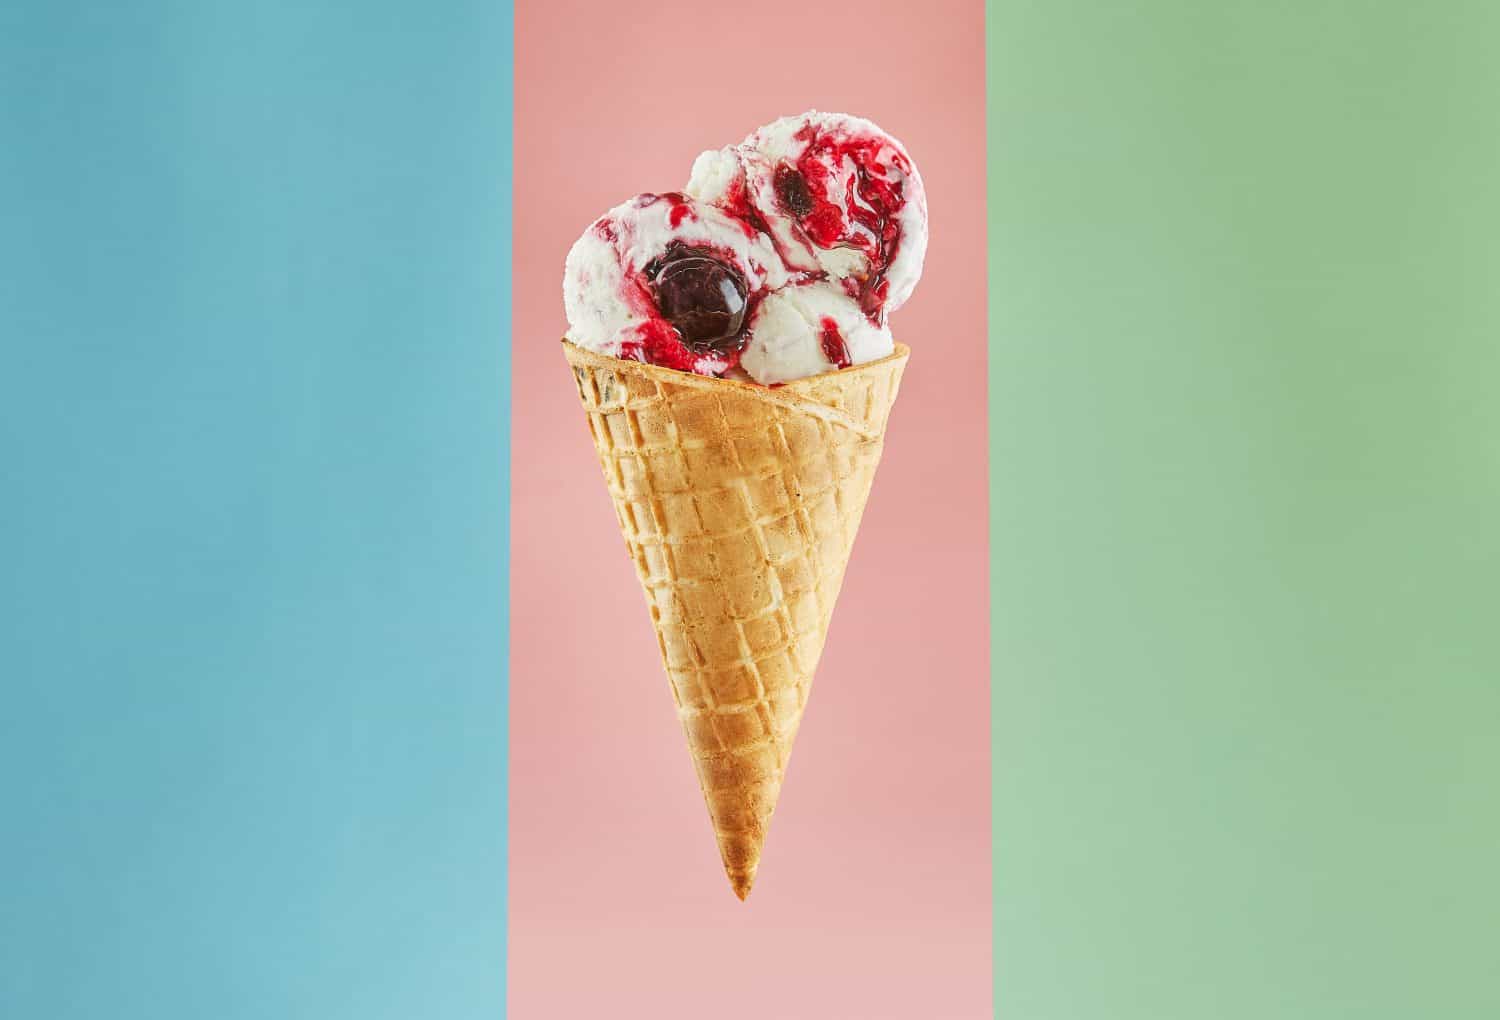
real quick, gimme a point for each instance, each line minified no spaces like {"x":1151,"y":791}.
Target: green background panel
{"x":1245,"y":423}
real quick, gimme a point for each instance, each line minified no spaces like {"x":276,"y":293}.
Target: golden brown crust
{"x":739,"y":505}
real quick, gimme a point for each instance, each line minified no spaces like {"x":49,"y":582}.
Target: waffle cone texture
{"x":739,"y":505}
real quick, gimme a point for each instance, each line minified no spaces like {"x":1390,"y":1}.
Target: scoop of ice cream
{"x":840,"y":198}
{"x":808,"y":328}
{"x":718,"y":179}
{"x":783,"y":258}
{"x":670,"y":281}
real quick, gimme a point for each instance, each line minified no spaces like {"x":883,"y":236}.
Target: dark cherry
{"x":702,"y":297}
{"x":791,"y":188}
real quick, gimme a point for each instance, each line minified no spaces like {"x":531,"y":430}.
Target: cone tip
{"x":741,"y":883}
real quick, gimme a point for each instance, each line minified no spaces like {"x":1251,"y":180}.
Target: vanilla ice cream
{"x":781,"y":259}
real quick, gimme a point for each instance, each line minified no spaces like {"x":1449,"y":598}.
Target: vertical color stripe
{"x":1245,"y":491}
{"x":872,"y":899}
{"x":253,"y":315}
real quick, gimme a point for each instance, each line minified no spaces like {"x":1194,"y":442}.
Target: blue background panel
{"x":253,"y":436}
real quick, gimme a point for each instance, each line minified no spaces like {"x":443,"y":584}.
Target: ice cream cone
{"x":739,"y":505}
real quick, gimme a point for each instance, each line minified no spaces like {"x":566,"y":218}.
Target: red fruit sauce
{"x":863,"y":217}
{"x":657,"y":343}
{"x":835,"y":348}
{"x":737,"y":206}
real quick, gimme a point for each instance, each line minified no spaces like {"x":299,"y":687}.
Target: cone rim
{"x":582,"y":355}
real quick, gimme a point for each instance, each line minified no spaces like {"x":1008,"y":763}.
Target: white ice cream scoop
{"x":664,"y":279}
{"x":839,"y":196}
{"x":809,"y":328}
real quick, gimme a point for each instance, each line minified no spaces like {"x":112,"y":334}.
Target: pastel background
{"x":254,"y":314}
{"x":1246,"y":489}
{"x":253,"y":319}
{"x":873,"y":896}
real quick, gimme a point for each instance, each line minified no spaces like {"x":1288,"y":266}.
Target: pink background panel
{"x":873,"y":898}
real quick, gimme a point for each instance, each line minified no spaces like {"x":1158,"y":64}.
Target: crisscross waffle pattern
{"x":739,"y":505}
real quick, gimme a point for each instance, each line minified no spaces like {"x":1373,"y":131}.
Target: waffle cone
{"x":739,"y":505}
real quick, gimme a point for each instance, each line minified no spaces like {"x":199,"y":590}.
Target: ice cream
{"x":781,"y":259}
{"x":808,"y":328}
{"x":668,"y":281}
{"x":733,"y":359}
{"x":840,"y":197}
